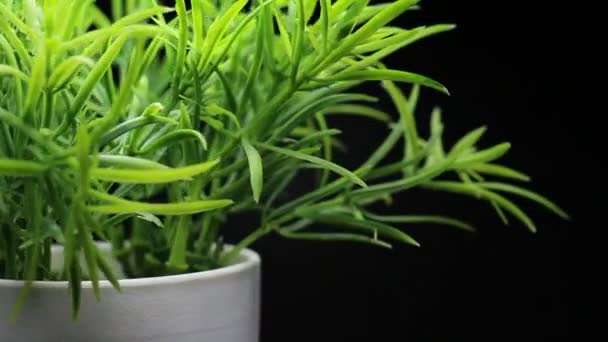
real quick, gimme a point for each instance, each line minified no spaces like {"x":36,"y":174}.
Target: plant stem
{"x":177,"y":258}
{"x":230,"y":257}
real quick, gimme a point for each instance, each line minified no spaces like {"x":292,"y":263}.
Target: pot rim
{"x":248,"y":259}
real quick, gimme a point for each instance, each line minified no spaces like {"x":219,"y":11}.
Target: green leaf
{"x":422,"y":176}
{"x":526,"y":194}
{"x":37,"y":80}
{"x":169,"y":209}
{"x":325,"y":20}
{"x":150,"y":218}
{"x":127,"y":126}
{"x":198,"y":21}
{"x":315,"y":195}
{"x":108,"y":271}
{"x":21,"y":168}
{"x":408,"y":119}
{"x":477,"y":191}
{"x":468,"y":141}
{"x":65,"y":71}
{"x":90,"y":256}
{"x":83,"y":149}
{"x":435,"y":144}
{"x":385,"y":16}
{"x":484,"y":156}
{"x":360,"y":110}
{"x":327,"y":145}
{"x":317,"y":161}
{"x":500,"y":171}
{"x":12,"y":71}
{"x":283,"y":33}
{"x":10,"y":14}
{"x":156,"y":176}
{"x":75,"y":284}
{"x":388,"y":75}
{"x":298,"y":44}
{"x":142,"y":15}
{"x":433,"y":219}
{"x":16,"y":43}
{"x":126,"y":162}
{"x":218,"y":29}
{"x":401,"y":39}
{"x":94,"y":76}
{"x":256,"y":170}
{"x":214,"y":109}
{"x":344,"y":220}
{"x":171,"y":138}
{"x":182,"y":15}
{"x":333,"y":237}
{"x":313,"y":137}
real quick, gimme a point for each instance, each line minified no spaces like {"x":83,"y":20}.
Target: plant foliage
{"x":150,"y":126}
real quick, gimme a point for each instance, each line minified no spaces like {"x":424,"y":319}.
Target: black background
{"x":508,"y":66}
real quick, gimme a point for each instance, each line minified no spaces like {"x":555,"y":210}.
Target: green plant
{"x":213,"y":108}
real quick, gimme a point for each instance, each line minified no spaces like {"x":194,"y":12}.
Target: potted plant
{"x":127,"y":140}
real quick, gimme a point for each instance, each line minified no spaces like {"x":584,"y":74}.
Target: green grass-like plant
{"x":149,"y":127}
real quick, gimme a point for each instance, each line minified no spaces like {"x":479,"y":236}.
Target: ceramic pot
{"x":221,"y":305}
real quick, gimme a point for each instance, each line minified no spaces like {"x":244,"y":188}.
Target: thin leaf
{"x":21,"y":168}
{"x":333,"y":237}
{"x":408,"y":121}
{"x":385,"y":16}
{"x":388,"y":75}
{"x":484,"y":156}
{"x":353,"y":109}
{"x":102,"y":66}
{"x":433,"y":219}
{"x":169,"y":209}
{"x":67,"y":69}
{"x":217,"y":30}
{"x":526,"y":194}
{"x":500,"y":171}
{"x":325,"y":21}
{"x":173,"y":137}
{"x":256,"y":170}
{"x":182,"y":15}
{"x":423,"y":176}
{"x":90,"y":256}
{"x":298,"y":45}
{"x":126,"y":162}
{"x":476,"y":191}
{"x":157,"y":176}
{"x":12,"y":71}
{"x":75,"y":284}
{"x":315,"y":195}
{"x":107,"y":270}
{"x":37,"y":81}
{"x":378,"y":228}
{"x":283,"y":34}
{"x":468,"y":141}
{"x":317,"y":161}
{"x":150,"y":218}
{"x":131,"y":125}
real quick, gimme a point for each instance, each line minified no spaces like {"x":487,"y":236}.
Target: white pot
{"x":221,"y":305}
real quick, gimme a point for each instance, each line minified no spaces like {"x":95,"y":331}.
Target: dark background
{"x":509,"y":65}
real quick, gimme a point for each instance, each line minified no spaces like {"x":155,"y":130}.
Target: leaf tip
{"x":444,"y":90}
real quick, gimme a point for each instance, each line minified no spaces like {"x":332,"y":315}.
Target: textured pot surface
{"x":216,"y":306}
